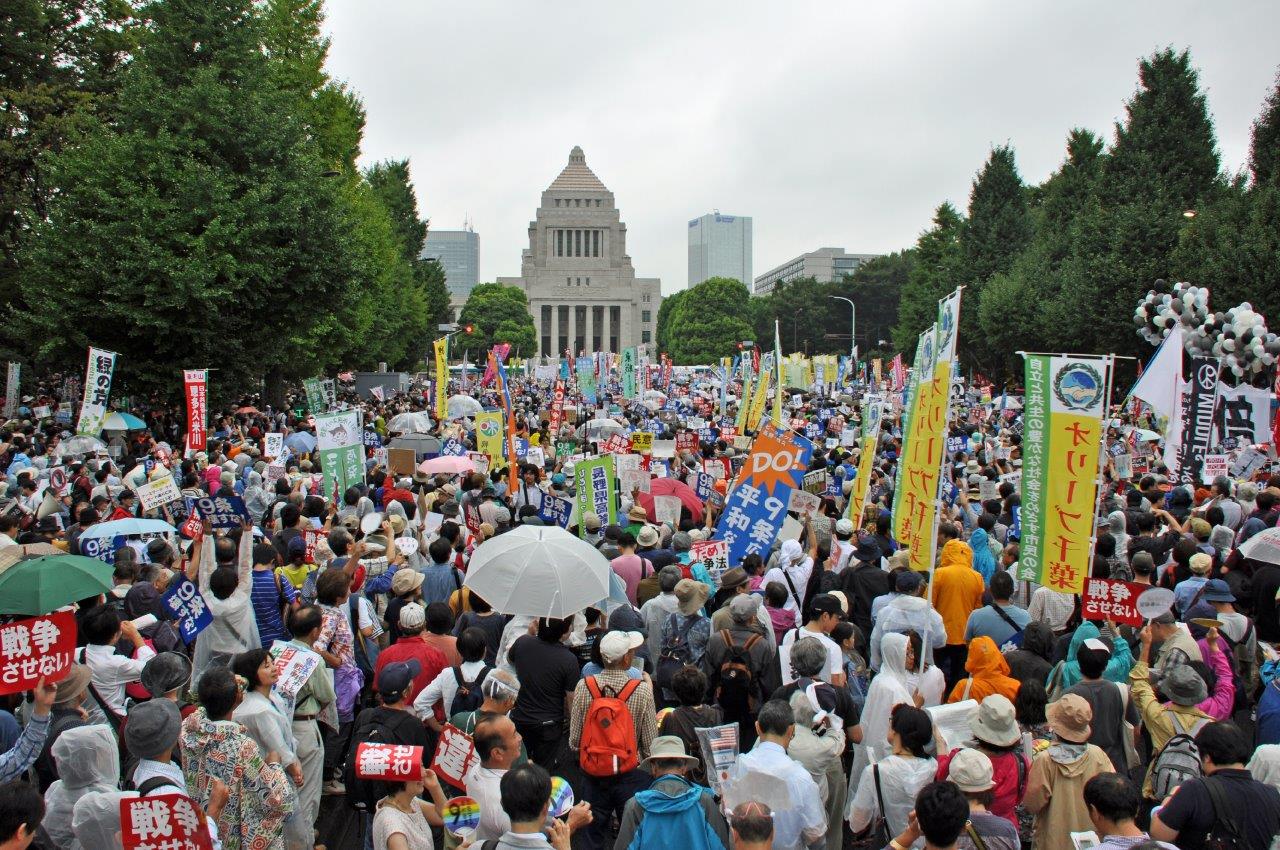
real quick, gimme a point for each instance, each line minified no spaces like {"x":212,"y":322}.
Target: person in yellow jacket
{"x":957,"y":593}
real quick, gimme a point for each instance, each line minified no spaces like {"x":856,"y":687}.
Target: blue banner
{"x":188,"y":607}
{"x":756,"y":507}
{"x":453,"y":447}
{"x":223,"y":512}
{"x":555,"y":511}
{"x":102,"y":548}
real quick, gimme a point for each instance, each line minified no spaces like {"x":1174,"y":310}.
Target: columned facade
{"x":582,"y":289}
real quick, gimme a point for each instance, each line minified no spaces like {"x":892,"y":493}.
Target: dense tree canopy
{"x":497,"y":314}
{"x":708,"y":321}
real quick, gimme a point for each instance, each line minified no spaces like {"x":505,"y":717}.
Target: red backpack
{"x":608,"y":743}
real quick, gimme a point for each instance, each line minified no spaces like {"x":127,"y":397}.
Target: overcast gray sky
{"x":839,"y":123}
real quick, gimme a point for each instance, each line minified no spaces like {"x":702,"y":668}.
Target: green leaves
{"x":708,"y":321}
{"x":496,"y":314}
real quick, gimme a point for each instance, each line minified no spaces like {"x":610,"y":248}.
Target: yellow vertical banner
{"x":442,"y":377}
{"x":761,"y":397}
{"x":926,"y":449}
{"x":867,"y":460}
{"x":1062,"y":415}
{"x":489,"y":436}
{"x":744,"y":404}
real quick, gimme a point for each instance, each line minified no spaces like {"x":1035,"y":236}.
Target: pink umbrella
{"x":447,"y":465}
{"x":671,"y":487}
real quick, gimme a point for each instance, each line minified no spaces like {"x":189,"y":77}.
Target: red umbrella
{"x":671,"y":487}
{"x":247,"y":409}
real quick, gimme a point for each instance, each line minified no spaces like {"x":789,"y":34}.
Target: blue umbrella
{"x":127,"y":527}
{"x":119,"y":421}
{"x":301,"y":442}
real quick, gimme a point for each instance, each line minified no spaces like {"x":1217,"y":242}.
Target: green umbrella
{"x":40,"y":585}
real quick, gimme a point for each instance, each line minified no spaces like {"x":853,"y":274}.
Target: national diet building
{"x":583,"y":292}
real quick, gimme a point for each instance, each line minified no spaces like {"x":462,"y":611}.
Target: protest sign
{"x":686,"y":441}
{"x":757,"y":504}
{"x":294,"y":665}
{"x":341,"y":454}
{"x":1214,"y":465}
{"x":556,"y":511}
{"x":702,"y":484}
{"x":314,"y":388}
{"x":988,"y":489}
{"x":196,"y":390}
{"x":664,"y":448}
{"x":1154,"y":601}
{"x":596,"y":487}
{"x":667,"y":509}
{"x":388,"y":762}
{"x":453,"y":448}
{"x":535,"y":456}
{"x":471,"y":517}
{"x":455,"y":755}
{"x":630,"y":480}
{"x":742,"y":443}
{"x":481,"y":461}
{"x":714,"y":555}
{"x":273,"y":444}
{"x":163,"y":822}
{"x":274,"y":472}
{"x":441,"y":347}
{"x":642,"y":441}
{"x":1243,"y":413}
{"x":1112,"y":599}
{"x":1061,"y":446}
{"x":616,"y":444}
{"x":11,"y":390}
{"x":158,"y":492}
{"x":222,"y":512}
{"x":718,"y":467}
{"x":815,"y":482}
{"x":36,"y":648}
{"x":461,"y":816}
{"x":97,"y":389}
{"x":805,"y":504}
{"x":489,"y":436}
{"x":184,"y":602}
{"x":1199,"y":398}
{"x":627,"y":463}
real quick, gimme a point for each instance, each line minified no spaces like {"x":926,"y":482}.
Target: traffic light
{"x":467,"y":328}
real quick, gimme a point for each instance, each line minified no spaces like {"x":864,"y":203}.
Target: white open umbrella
{"x":410,"y":423}
{"x":538,"y":571}
{"x":1263,"y":546}
{"x":460,"y":406}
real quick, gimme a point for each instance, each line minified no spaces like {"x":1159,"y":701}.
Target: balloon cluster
{"x":1238,"y":337}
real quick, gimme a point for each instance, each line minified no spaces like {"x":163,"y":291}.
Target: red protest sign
{"x":35,"y":648}
{"x":389,"y":762}
{"x":1112,"y":599}
{"x":728,"y":432}
{"x":163,"y":822}
{"x":616,"y":444}
{"x":686,"y":441}
{"x":193,"y":528}
{"x":455,"y":756}
{"x":471,"y":515}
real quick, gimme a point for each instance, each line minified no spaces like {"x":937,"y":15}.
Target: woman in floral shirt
{"x":216,"y":747}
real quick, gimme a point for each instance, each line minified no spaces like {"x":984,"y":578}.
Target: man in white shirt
{"x":497,"y":744}
{"x":805,"y":823}
{"x":824,"y":613}
{"x":109,"y":672}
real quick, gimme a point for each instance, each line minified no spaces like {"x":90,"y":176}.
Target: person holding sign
{"x":403,"y":820}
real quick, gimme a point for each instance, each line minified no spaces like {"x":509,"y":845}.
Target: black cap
{"x":825,"y":603}
{"x":395,"y":679}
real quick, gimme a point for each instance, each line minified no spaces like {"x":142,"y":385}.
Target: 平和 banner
{"x":756,"y":505}
{"x":1062,"y":437}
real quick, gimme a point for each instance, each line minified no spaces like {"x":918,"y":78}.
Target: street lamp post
{"x":853,"y":328}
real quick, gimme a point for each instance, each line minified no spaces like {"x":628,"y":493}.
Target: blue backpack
{"x":674,"y":821}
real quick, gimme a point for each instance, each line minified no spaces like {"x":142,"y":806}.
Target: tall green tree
{"x":665,"y":311}
{"x":497,"y":314}
{"x":998,"y":229}
{"x":59,"y":68}
{"x":196,"y":227}
{"x":709,"y":321}
{"x":933,"y":275}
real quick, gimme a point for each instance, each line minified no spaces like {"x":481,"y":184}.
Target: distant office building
{"x":459,"y":252}
{"x":719,"y":246}
{"x":824,"y":265}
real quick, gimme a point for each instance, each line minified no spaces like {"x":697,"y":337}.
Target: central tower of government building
{"x":582,"y":289}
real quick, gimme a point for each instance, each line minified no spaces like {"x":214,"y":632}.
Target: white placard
{"x":667,"y":509}
{"x":159,"y":492}
{"x":1154,"y":602}
{"x":805,"y":504}
{"x":664,"y":448}
{"x":273,"y":444}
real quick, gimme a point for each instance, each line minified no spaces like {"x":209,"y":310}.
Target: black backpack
{"x":1226,"y":832}
{"x":675,"y":653}
{"x":469,"y":696}
{"x":737,"y":690}
{"x":375,"y":726}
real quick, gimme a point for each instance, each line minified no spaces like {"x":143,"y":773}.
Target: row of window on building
{"x":577,"y":202}
{"x":577,"y":243}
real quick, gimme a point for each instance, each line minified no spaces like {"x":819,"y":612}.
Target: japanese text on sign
{"x":36,"y":648}
{"x":757,"y":505}
{"x":163,"y":822}
{"x":188,"y":607}
{"x":388,"y":762}
{"x":223,"y":512}
{"x":1112,"y":599}
{"x":455,"y":755}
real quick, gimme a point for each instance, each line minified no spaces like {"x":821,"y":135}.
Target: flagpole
{"x":1102,"y":458}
